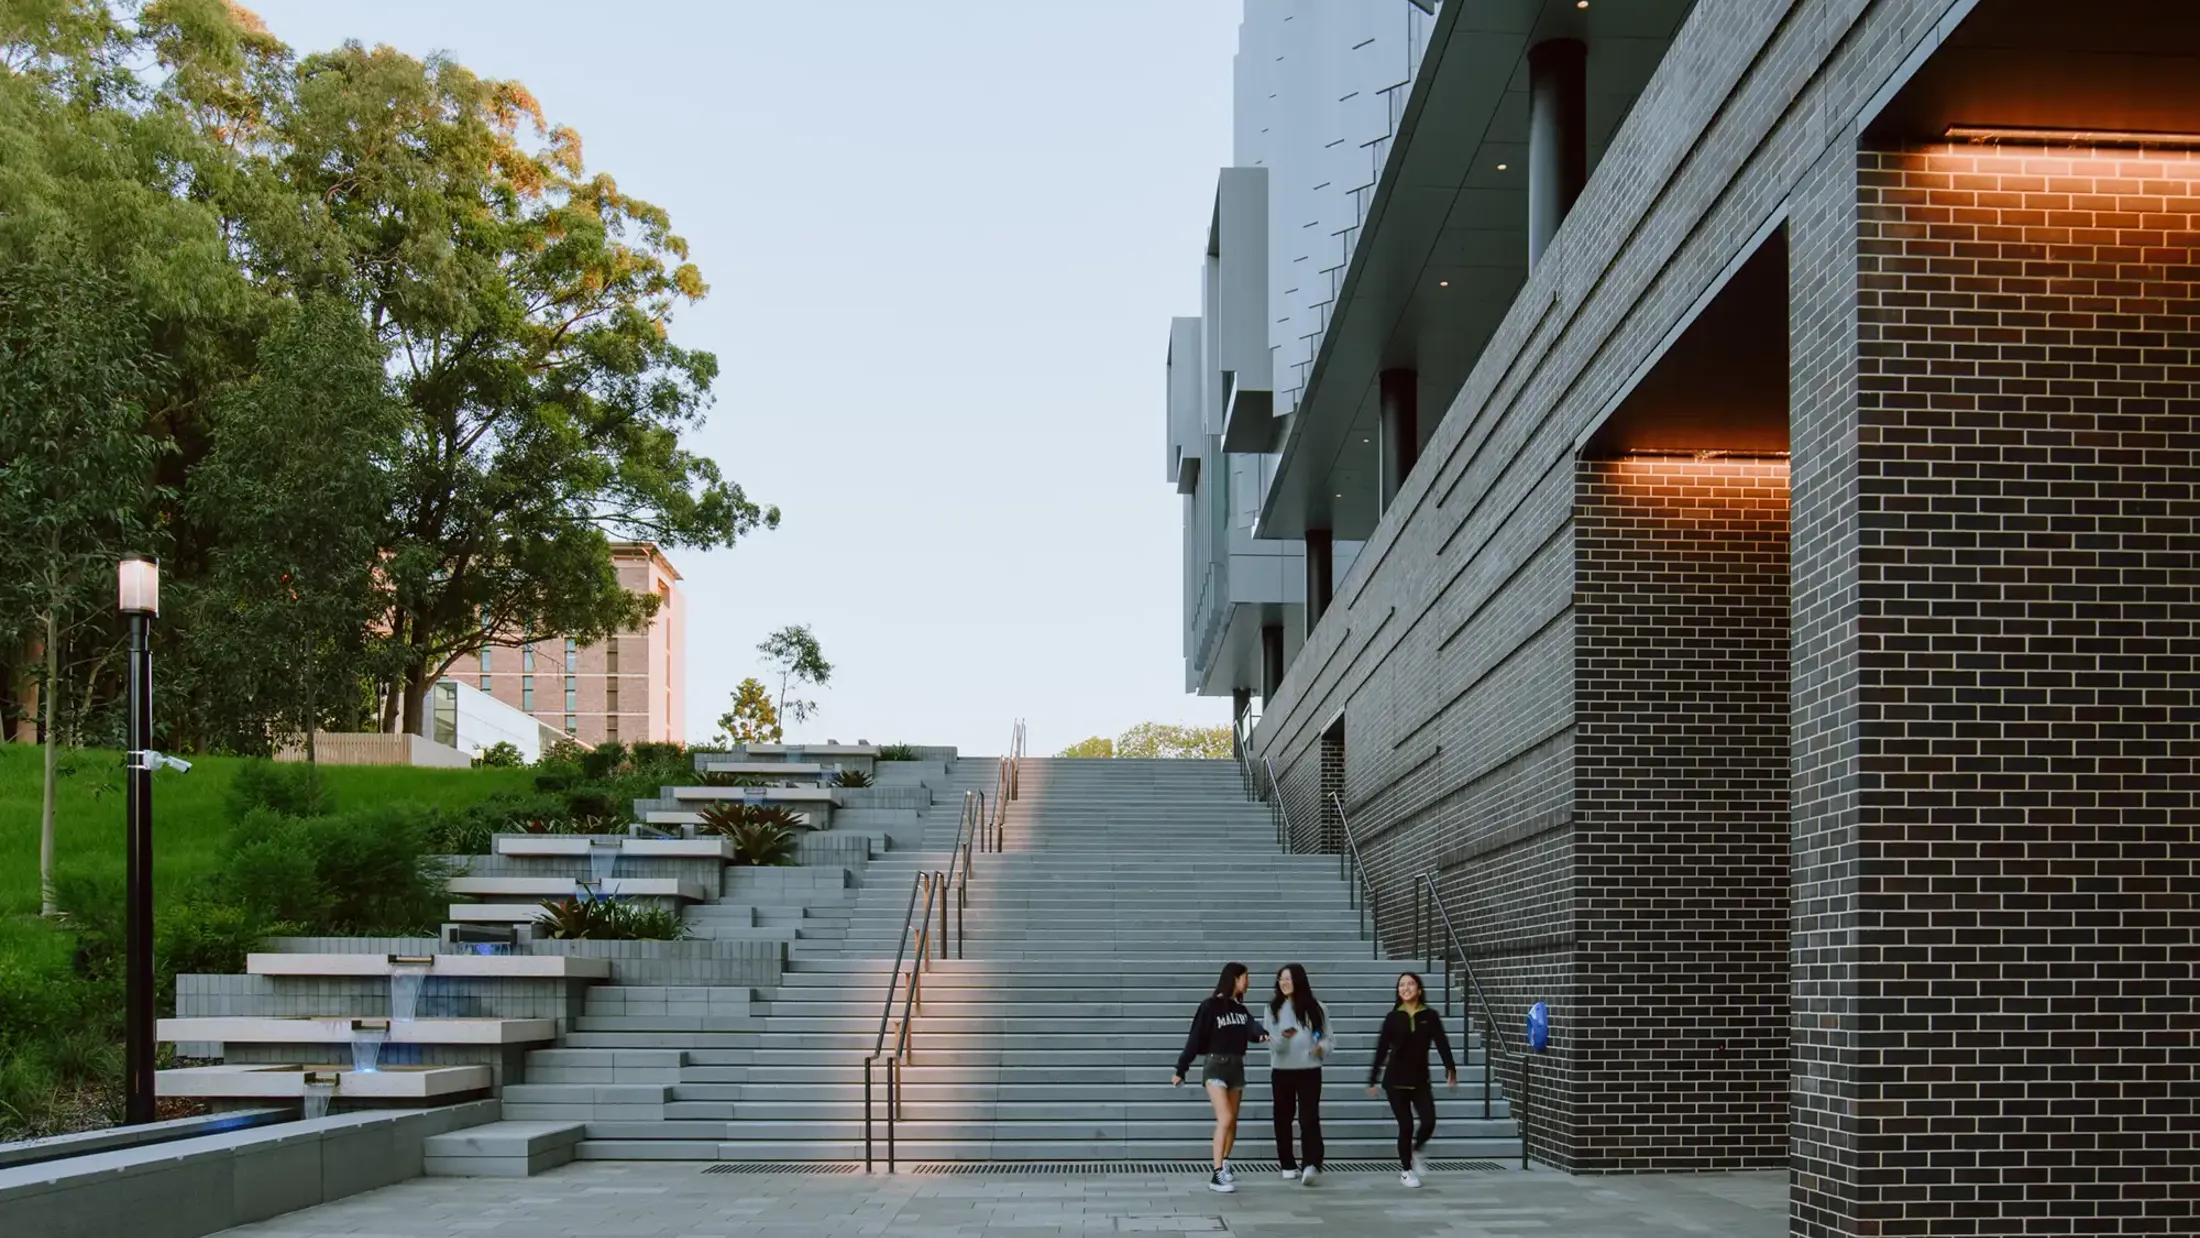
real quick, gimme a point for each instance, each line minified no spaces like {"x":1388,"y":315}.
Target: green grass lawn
{"x":190,"y":820}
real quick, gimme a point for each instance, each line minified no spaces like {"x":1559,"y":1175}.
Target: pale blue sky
{"x":944,"y":241}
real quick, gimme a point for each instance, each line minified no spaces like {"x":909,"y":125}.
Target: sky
{"x":943,"y":241}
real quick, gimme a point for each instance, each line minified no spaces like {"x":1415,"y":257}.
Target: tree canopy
{"x":1157,"y":739}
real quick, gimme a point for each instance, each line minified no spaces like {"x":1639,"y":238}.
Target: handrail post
{"x":939,"y":881}
{"x":868,"y":1163}
{"x":1489,"y":1058}
{"x":893,"y":1102}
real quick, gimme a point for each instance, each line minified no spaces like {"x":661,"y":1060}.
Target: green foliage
{"x":296,"y":491}
{"x":369,"y":872}
{"x":736,"y":780}
{"x":854,"y":778}
{"x":763,"y":844}
{"x":603,"y":760}
{"x":502,"y":754}
{"x":753,"y":718}
{"x":608,"y":919}
{"x":290,"y":790}
{"x":793,"y":652}
{"x":897,"y":752}
{"x":1157,"y":739}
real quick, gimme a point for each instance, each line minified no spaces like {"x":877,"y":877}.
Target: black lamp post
{"x":139,"y":598}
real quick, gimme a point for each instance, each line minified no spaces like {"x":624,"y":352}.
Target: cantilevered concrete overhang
{"x":1444,"y":250}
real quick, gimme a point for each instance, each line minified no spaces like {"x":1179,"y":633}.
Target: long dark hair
{"x":1303,"y":1006}
{"x":1226,"y":983}
{"x":1420,"y":988}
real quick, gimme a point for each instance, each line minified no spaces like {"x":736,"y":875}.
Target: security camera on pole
{"x":139,"y":599}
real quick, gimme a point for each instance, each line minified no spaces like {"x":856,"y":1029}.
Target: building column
{"x":1320,"y":582}
{"x":1558,"y":136}
{"x":1241,"y":704}
{"x":1400,"y":435}
{"x":1271,"y":662}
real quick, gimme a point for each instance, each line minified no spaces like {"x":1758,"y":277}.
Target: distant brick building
{"x":632,"y":687}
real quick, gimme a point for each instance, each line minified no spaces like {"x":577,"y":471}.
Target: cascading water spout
{"x":367,"y":1038}
{"x":319,"y":1092}
{"x":603,"y":861}
{"x":406,"y":979}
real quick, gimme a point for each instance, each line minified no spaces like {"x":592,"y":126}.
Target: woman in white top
{"x":1298,"y":1042}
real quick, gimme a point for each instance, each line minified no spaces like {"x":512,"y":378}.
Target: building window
{"x":611,"y":656}
{"x":611,"y":696}
{"x":572,"y":725}
{"x":572,"y":695}
{"x":485,"y":682}
{"x":527,"y":693}
{"x":572,"y":656}
{"x":611,"y":728}
{"x":485,"y":661}
{"x":527,"y":657}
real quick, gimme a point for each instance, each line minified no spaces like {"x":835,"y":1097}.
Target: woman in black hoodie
{"x":1222,"y":1030}
{"x":1408,"y":1031}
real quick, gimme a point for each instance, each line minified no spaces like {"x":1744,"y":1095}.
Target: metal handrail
{"x":1425,"y":898}
{"x":1241,"y":739}
{"x":1365,"y":898}
{"x":981,"y":829}
{"x":919,"y":929}
{"x":1278,"y":811}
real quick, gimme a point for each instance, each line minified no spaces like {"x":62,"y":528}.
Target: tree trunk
{"x":27,"y":694}
{"x":416,"y":699}
{"x":46,"y":904}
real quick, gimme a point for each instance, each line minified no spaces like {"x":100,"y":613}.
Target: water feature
{"x":367,"y":1038}
{"x":406,"y":978}
{"x":603,"y":860}
{"x":320,"y":1090}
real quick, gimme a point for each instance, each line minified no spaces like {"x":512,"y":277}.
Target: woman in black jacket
{"x":1408,"y":1031}
{"x":1221,"y":1032}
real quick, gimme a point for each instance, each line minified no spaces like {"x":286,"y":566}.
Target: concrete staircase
{"x":1124,"y":887}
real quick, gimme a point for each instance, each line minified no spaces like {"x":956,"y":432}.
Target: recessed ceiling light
{"x":1581,"y":4}
{"x":1443,"y":283}
{"x":1367,"y":440}
{"x":1340,"y":494}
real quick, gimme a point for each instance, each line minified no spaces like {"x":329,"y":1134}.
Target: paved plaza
{"x":641,"y":1200}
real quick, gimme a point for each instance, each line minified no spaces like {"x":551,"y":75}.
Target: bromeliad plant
{"x":853,"y":778}
{"x":763,"y":835}
{"x":608,"y":919}
{"x":897,"y":752}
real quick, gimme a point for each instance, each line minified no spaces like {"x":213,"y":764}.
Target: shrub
{"x":502,"y":755}
{"x":736,"y":780}
{"x":854,"y":778}
{"x":378,"y":874}
{"x":203,"y":937}
{"x":603,"y":760}
{"x":557,"y":780}
{"x":563,"y":755}
{"x":592,"y":804}
{"x":649,"y":753}
{"x":92,"y":905}
{"x":897,"y":752}
{"x":291,"y":790}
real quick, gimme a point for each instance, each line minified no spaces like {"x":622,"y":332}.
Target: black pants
{"x":1298,"y":1093}
{"x":1404,"y":1104}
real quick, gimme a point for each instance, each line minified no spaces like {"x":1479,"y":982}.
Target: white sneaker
{"x":1306,"y":1175}
{"x":1220,"y":1185}
{"x":1409,"y":1179}
{"x":1225,"y":1174}
{"x":1290,"y":1175}
{"x":1420,"y":1162}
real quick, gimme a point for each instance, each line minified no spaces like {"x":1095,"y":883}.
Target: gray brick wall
{"x":1973,"y":494}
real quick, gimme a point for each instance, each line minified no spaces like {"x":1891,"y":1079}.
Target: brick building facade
{"x":1781,"y":653}
{"x":631,"y":687}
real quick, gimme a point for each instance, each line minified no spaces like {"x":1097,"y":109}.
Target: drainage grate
{"x":785,"y":1167}
{"x":1074,"y":1169}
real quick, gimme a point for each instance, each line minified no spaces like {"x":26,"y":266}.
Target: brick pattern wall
{"x":2028,"y":482}
{"x":1678,"y":1048}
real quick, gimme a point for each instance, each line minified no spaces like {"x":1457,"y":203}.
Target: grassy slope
{"x":189,"y":820}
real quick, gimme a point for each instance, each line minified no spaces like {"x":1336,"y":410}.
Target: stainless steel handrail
{"x":981,"y":829}
{"x":1278,"y":811}
{"x":1425,"y":898}
{"x":919,"y":928}
{"x":1365,"y":898}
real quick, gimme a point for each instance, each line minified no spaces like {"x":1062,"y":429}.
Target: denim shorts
{"x":1224,"y":1070}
